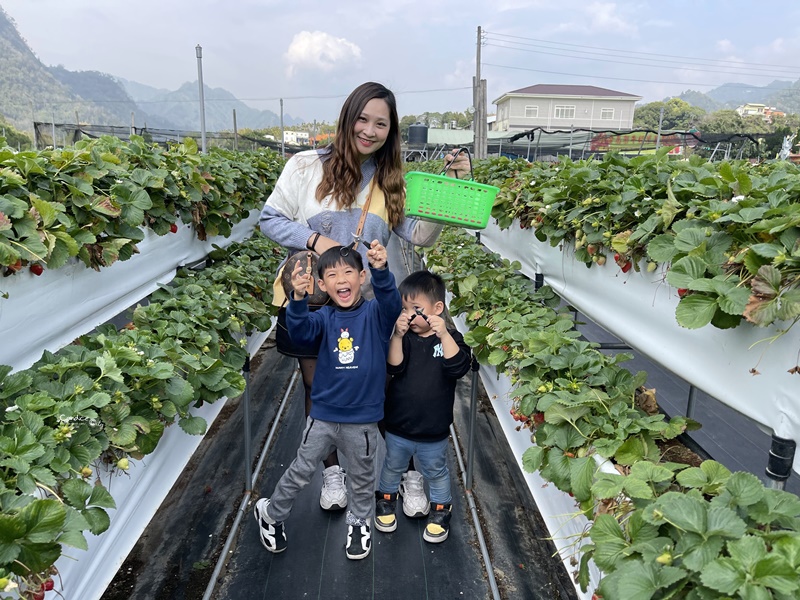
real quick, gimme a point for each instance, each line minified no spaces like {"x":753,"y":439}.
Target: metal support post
{"x":199,"y":53}
{"x":247,"y":433}
{"x":538,"y":281}
{"x":781,"y":457}
{"x":690,"y":401}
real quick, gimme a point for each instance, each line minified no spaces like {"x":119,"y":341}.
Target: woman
{"x":317,"y":204}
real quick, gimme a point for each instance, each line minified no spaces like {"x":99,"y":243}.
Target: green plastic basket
{"x":448,"y":200}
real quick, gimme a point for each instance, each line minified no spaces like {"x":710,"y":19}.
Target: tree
{"x":678,"y":115}
{"x":729,"y":121}
{"x":13,"y":138}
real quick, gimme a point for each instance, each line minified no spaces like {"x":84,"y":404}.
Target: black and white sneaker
{"x":271,"y":532}
{"x":359,"y":541}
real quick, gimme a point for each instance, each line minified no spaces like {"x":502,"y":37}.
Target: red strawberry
{"x":16,"y":266}
{"x":626,"y":267}
{"x":173,"y":228}
{"x":538,"y":418}
{"x":616,"y":258}
{"x":682,"y":292}
{"x":48,"y":584}
{"x":37,"y":269}
{"x":591,"y":249}
{"x":38,"y":595}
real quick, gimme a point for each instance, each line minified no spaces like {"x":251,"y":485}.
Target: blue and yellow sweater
{"x":350,"y":376}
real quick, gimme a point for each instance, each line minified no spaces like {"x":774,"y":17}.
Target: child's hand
{"x":301,"y":280}
{"x":376,"y":255}
{"x":438,"y":325}
{"x":402,"y":324}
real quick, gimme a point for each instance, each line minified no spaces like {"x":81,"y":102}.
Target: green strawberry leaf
{"x":695,"y":311}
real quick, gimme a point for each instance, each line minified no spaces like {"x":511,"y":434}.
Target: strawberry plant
{"x":700,"y":532}
{"x":108,"y":397}
{"x":583,"y":397}
{"x":729,"y":231}
{"x":91,"y":201}
{"x":659,"y":529}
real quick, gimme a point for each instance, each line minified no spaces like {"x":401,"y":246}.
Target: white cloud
{"x":320,"y":51}
{"x":600,"y":17}
{"x":725,"y":46}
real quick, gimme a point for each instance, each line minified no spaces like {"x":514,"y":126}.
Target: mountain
{"x":783,"y":95}
{"x":735,"y":94}
{"x":701,"y":100}
{"x":105,"y":90}
{"x":181,"y":107}
{"x":31,"y":91}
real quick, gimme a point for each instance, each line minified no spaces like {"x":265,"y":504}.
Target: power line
{"x":683,"y":67}
{"x":194,"y":101}
{"x":714,"y":60}
{"x":711,"y":85}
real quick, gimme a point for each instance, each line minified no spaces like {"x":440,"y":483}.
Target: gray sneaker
{"x":415,"y":502}
{"x":333,"y":495}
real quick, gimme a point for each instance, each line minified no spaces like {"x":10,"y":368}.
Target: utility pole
{"x":33,"y":122}
{"x":283,"y":150}
{"x":199,"y":53}
{"x":479,"y":102}
{"x":660,"y":121}
{"x":235,"y":132}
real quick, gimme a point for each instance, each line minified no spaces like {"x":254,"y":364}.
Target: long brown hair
{"x":341,"y":172}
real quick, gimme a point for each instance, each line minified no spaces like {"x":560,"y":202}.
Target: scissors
{"x":357,"y":239}
{"x":421,"y":314}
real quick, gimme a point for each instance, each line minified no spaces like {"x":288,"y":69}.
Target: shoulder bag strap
{"x":364,"y":211}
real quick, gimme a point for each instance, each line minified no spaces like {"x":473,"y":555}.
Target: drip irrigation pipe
{"x":223,"y":557}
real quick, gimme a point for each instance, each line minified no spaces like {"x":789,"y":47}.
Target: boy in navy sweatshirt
{"x":348,"y":388}
{"x":425,"y":360}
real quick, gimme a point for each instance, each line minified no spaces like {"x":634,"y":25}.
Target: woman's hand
{"x":321,"y":243}
{"x":460,"y":168}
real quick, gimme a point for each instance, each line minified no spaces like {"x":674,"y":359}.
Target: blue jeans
{"x":430,"y":459}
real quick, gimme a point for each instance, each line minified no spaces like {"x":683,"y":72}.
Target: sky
{"x":312,"y":53}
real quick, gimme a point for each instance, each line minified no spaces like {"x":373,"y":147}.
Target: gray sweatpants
{"x":357,"y":442}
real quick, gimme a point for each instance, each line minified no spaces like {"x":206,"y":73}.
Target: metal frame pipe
{"x":247,"y":431}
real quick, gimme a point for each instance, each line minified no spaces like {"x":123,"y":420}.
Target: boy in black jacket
{"x":425,"y":360}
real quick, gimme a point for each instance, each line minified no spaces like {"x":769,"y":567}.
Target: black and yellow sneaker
{"x":438,"y":526}
{"x":385,"y":507}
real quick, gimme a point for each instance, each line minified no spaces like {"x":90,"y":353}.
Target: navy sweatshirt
{"x":350,"y":377}
{"x":421,"y":393}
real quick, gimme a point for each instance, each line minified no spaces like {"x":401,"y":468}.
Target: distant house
{"x":295,"y":137}
{"x":564,"y":107}
{"x":762,"y":110}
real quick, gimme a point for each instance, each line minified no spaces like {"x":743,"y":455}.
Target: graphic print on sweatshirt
{"x":346,"y":349}
{"x":438,"y":351}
